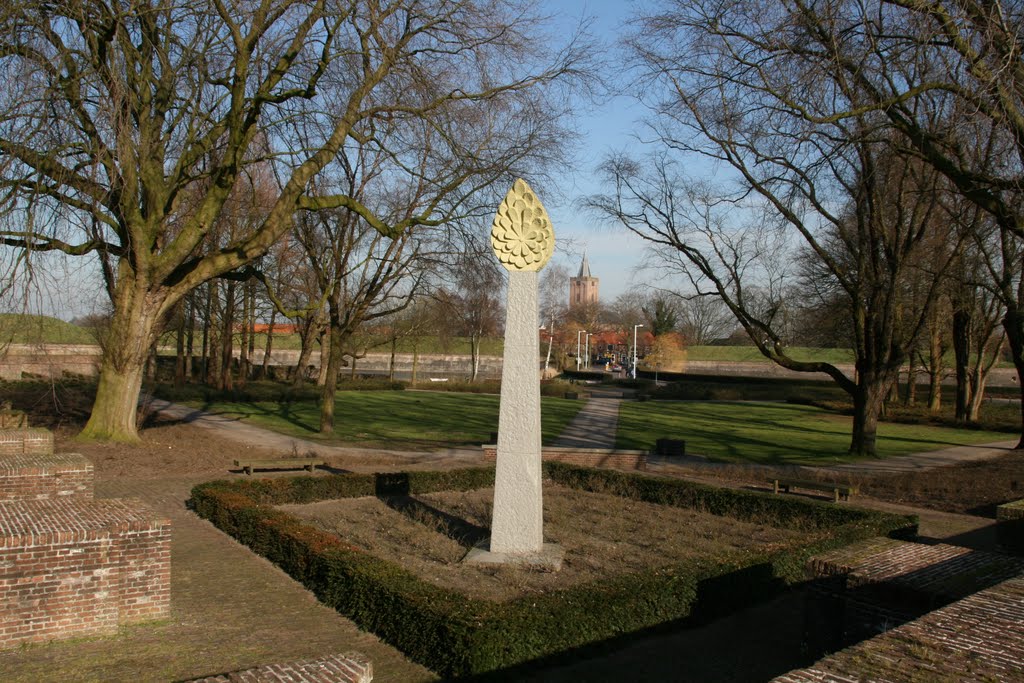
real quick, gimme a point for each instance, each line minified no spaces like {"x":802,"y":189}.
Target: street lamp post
{"x":638,"y":325}
{"x":578,"y":333}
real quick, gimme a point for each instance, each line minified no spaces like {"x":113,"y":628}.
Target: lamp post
{"x":635,"y":327}
{"x":578,"y":333}
{"x":588,"y":350}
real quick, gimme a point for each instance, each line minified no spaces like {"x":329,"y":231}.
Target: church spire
{"x":584,"y":267}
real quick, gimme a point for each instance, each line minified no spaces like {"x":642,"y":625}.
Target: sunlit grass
{"x":774,"y":433}
{"x":19,"y":328}
{"x":396,"y":419}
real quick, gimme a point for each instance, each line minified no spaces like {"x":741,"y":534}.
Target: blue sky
{"x":606,"y":127}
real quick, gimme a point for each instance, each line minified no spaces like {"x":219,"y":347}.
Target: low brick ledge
{"x":40,"y":522}
{"x":75,"y":566}
{"x":40,"y":476}
{"x":979,"y":638}
{"x":1010,"y":526}
{"x":25,"y":440}
{"x":351,"y":667}
{"x":1010,"y":511}
{"x":586,"y":457}
{"x":934,"y":573}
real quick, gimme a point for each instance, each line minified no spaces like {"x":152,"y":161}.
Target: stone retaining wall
{"x":72,"y":567}
{"x":586,"y":457}
{"x":350,"y":667}
{"x":40,"y":477}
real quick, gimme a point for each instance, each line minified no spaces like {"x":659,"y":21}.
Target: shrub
{"x":454,"y":635}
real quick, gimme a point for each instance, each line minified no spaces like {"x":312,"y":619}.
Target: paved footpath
{"x":593,"y":427}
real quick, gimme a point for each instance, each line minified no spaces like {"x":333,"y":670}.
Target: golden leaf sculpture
{"x":521,"y":235}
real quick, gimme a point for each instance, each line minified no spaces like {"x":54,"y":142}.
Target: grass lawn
{"x":17,"y":328}
{"x":396,"y":419}
{"x":775,"y":433}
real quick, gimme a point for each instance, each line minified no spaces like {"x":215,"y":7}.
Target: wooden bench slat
{"x":250,"y":464}
{"x":837,"y":490}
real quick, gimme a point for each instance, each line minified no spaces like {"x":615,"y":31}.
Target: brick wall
{"x":586,"y":457}
{"x":351,"y":667}
{"x":876,"y":585}
{"x":39,"y":477}
{"x":979,"y":638}
{"x":25,"y":441}
{"x":1010,"y":526}
{"x":73,"y":567}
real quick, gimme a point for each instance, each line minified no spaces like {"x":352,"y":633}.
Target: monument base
{"x":548,"y":558}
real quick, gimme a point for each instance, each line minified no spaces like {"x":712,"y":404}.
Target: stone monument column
{"x":518,"y":522}
{"x":523,"y":240}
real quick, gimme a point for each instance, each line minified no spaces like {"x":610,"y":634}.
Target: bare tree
{"x":474,"y":305}
{"x":120,"y":109}
{"x":703,"y":319}
{"x":861,"y":248}
{"x":945,"y":74}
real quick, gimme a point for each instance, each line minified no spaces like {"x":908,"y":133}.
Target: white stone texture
{"x":517,"y":526}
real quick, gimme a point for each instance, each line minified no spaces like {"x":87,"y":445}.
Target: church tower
{"x":583,"y":287}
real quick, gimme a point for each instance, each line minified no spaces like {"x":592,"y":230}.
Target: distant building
{"x":583,"y":287}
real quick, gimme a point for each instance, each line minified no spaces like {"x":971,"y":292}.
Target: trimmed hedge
{"x":454,"y":635}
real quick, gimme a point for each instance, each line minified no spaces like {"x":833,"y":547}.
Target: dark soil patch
{"x":602,"y":535}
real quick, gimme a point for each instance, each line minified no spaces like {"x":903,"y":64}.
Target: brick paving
{"x":979,"y":638}
{"x":347,"y":668}
{"x":231,"y":610}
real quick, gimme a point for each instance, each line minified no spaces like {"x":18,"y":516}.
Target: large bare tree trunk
{"x":474,"y":353}
{"x":331,"y":367}
{"x":415,"y":362}
{"x":269,"y":347}
{"x":133,"y":331}
{"x":245,"y":339}
{"x":868,"y":398}
{"x":391,"y":361}
{"x":307,"y":337}
{"x":211,"y":368}
{"x":190,"y":335}
{"x":962,"y":355}
{"x":325,"y":352}
{"x":910,"y":396}
{"x":224,"y":379}
{"x":330,"y":385}
{"x":1013,"y":323}
{"x":179,"y":362}
{"x":935,"y":369}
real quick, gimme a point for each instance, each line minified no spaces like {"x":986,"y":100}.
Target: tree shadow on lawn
{"x":733,"y":446}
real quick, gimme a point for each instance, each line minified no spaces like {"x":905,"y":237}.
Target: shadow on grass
{"x":773,"y":434}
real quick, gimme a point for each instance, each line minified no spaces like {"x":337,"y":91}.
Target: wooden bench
{"x":838,"y":490}
{"x":280,"y":464}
